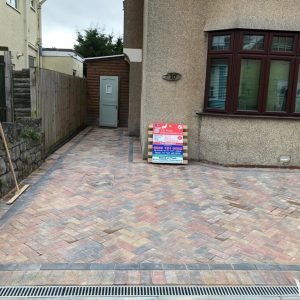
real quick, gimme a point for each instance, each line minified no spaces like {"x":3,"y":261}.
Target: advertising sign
{"x":167,"y":143}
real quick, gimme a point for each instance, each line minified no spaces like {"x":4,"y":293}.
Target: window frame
{"x":294,"y":91}
{"x":16,"y":6}
{"x":33,"y":4}
{"x":283,"y":34}
{"x":240,"y":41}
{"x":237,"y":84}
{"x":216,"y":33}
{"x":30,"y":60}
{"x":228,"y":87}
{"x":236,"y":53}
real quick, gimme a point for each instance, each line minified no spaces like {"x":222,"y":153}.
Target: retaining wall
{"x":25,"y":141}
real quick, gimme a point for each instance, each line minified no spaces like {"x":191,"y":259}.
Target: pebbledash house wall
{"x":133,"y":44}
{"x":175,"y":39}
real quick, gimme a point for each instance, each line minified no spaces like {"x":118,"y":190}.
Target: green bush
{"x":31,"y":133}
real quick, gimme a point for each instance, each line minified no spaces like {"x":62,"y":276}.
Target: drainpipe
{"x":40,"y":44}
{"x":26,"y":34}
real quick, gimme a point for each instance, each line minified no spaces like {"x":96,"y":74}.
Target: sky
{"x":61,"y":19}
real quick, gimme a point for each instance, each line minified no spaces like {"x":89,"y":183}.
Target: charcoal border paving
{"x":130,"y":150}
{"x":147,"y":267}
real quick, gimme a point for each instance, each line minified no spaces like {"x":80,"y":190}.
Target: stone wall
{"x":26,"y":148}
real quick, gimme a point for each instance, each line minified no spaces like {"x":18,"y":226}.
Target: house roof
{"x":60,"y":52}
{"x":104,"y":57}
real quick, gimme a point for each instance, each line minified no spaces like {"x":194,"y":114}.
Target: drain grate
{"x":147,"y":291}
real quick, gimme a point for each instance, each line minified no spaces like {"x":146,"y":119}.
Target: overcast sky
{"x":63,"y":18}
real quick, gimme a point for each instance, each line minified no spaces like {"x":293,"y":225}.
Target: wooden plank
{"x":33,"y":95}
{"x":185,"y":147}
{"x":185,"y":155}
{"x":150,"y":132}
{"x":150,"y":140}
{"x":185,"y":162}
{"x":185,"y":127}
{"x":18,"y":194}
{"x":61,"y":102}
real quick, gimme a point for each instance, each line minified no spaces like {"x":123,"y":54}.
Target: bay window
{"x":253,"y":72}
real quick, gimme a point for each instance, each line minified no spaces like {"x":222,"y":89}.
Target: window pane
{"x":13,"y":3}
{"x":253,"y":42}
{"x":31,"y":60}
{"x":297,"y":109}
{"x":282,"y":44}
{"x":249,"y":84}
{"x":221,"y":42}
{"x":278,"y":85}
{"x":218,"y":83}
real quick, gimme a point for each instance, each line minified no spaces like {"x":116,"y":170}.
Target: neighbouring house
{"x":20,"y":43}
{"x":65,"y":61}
{"x":238,"y":87}
{"x":108,"y":90}
{"x":20,"y":32}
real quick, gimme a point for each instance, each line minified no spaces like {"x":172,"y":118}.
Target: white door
{"x":109,"y":100}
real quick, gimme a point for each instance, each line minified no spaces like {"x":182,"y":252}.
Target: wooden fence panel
{"x":61,"y":101}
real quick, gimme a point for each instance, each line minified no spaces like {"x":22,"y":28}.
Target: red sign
{"x":167,"y":143}
{"x":169,"y":129}
{"x":167,"y":134}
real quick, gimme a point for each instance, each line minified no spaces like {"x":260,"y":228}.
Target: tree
{"x":118,"y":46}
{"x":95,"y":43}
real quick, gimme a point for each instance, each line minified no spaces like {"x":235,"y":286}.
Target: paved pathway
{"x":95,"y":201}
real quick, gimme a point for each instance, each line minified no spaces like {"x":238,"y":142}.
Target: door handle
{"x":116,"y":107}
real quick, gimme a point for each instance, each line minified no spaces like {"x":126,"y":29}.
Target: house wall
{"x":175,"y":40}
{"x":63,"y":64}
{"x":246,"y":141}
{"x":107,"y":67}
{"x":20,"y":33}
{"x":133,"y":44}
{"x":252,"y":14}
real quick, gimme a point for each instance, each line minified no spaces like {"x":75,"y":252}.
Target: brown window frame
{"x":236,"y":53}
{"x":294,"y":91}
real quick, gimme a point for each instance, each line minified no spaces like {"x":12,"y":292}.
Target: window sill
{"x":15,"y":9}
{"x":33,"y":47}
{"x":248,"y":116}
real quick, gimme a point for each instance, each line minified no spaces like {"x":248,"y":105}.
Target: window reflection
{"x":249,"y":84}
{"x":221,"y":42}
{"x":218,"y":84}
{"x":278,"y":85}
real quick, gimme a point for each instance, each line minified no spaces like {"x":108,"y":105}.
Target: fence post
{"x":8,"y":87}
{"x":33,"y":94}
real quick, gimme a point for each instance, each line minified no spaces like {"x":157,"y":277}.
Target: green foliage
{"x":118,"y":46}
{"x":31,"y":133}
{"x":93,"y":42}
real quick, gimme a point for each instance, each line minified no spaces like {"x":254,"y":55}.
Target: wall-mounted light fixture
{"x":284,"y":159}
{"x":19,"y":55}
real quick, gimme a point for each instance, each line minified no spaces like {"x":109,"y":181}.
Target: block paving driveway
{"x":95,"y":201}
